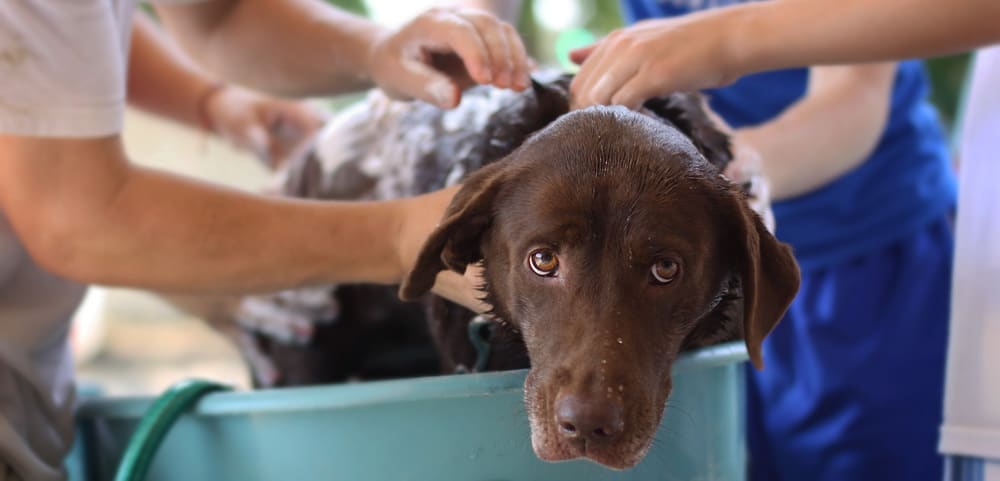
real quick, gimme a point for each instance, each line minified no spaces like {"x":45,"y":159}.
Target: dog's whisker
{"x":681,"y":410}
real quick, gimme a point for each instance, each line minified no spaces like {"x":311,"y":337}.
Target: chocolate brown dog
{"x":610,"y":240}
{"x":610,"y":243}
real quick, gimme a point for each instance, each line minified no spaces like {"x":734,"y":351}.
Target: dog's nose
{"x":588,"y":419}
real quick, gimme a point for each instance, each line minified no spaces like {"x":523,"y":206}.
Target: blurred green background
{"x":551,"y":28}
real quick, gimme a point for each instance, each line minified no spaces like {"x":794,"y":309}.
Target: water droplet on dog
{"x":621,"y":388}
{"x":604,"y":361}
{"x":620,"y":341}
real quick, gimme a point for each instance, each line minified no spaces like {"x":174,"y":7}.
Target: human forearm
{"x":793,"y":33}
{"x":96,"y":219}
{"x":161,"y":80}
{"x":827,"y":133}
{"x":715,"y":47}
{"x":242,"y":243}
{"x":306,"y":48}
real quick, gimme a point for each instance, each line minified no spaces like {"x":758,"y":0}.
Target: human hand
{"x":747,"y":170}
{"x":655,"y":57}
{"x":445,"y":50}
{"x":270,"y":128}
{"x":416,"y":218}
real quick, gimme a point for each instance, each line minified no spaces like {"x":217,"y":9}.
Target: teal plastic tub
{"x":468,"y":427}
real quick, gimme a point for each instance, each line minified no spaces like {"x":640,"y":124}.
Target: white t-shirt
{"x":62,"y":73}
{"x":62,"y":66}
{"x":972,"y":401}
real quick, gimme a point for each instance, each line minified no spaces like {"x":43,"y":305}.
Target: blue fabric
{"x":854,"y":375}
{"x":961,"y":468}
{"x":853,"y":382}
{"x":905,"y":184}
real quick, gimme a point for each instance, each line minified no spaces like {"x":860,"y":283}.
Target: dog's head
{"x":611,"y":242}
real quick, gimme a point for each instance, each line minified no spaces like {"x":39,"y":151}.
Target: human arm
{"x":305,"y":47}
{"x":85,"y":213}
{"x":163,"y":81}
{"x":714,"y":47}
{"x":82,"y":211}
{"x":825,"y":134}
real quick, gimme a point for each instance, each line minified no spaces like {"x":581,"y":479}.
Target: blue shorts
{"x":853,"y":382}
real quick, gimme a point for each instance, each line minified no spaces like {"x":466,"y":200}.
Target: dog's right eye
{"x":665,"y":271}
{"x":543,"y":262}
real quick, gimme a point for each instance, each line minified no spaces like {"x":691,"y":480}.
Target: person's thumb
{"x":420,"y":81}
{"x":579,"y":55}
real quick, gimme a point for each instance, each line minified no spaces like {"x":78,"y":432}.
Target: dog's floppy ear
{"x":552,"y":97}
{"x":511,"y":126}
{"x":456,"y":242}
{"x":768,"y":273}
{"x":689,"y":113}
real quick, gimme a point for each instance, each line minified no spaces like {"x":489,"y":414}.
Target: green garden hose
{"x":157,"y":422}
{"x":480,"y":332}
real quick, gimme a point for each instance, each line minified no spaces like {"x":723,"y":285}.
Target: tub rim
{"x":372,"y":393}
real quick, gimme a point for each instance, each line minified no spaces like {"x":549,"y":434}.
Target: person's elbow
{"x":60,"y":247}
{"x":55,"y":195}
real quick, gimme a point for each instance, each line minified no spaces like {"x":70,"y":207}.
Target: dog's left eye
{"x":664,"y":271}
{"x":543,"y":262}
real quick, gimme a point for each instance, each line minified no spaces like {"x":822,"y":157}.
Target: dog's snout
{"x":592,"y":420}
